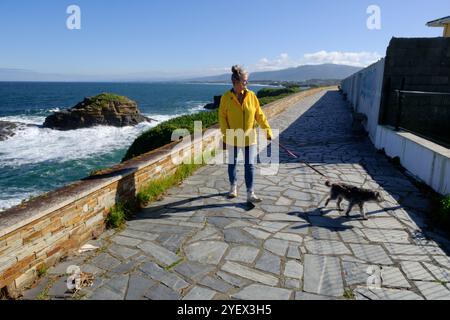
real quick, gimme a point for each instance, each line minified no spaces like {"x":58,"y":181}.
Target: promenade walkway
{"x":196,"y":244}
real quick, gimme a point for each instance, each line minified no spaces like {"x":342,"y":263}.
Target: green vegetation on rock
{"x":109,"y":97}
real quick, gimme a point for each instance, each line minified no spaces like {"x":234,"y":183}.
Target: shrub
{"x":161,"y":135}
{"x":270,"y":92}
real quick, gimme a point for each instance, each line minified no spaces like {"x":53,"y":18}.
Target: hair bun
{"x":235,"y":69}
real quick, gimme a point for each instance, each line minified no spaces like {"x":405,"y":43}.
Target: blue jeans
{"x":249,"y":164}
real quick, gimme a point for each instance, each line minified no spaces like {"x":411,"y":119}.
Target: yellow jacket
{"x":233,"y":115}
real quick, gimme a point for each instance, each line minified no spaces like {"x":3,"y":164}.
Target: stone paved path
{"x":196,"y":244}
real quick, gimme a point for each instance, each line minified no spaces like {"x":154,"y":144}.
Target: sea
{"x":37,"y":160}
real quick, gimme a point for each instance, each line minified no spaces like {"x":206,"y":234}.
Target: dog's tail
{"x":328,"y":183}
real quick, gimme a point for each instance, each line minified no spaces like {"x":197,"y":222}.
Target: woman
{"x":239,"y":112}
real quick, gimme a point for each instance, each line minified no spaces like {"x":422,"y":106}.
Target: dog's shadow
{"x":320,"y":218}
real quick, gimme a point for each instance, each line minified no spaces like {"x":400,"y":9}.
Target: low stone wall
{"x":45,"y":229}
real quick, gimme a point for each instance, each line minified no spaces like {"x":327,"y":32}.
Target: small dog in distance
{"x":353,"y":195}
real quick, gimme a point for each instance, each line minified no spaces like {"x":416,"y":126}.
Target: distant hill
{"x":298,"y":74}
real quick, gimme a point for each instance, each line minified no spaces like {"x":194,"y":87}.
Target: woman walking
{"x":239,"y":112}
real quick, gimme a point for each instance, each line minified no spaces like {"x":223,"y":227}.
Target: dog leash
{"x":292,"y":154}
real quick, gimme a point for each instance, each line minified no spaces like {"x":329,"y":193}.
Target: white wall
{"x":363,"y":90}
{"x":426,"y":160}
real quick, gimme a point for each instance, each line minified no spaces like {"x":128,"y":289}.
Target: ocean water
{"x":37,"y":160}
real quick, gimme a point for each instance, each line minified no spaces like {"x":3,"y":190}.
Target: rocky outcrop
{"x":104,"y":109}
{"x":7,"y":129}
{"x":215,"y":105}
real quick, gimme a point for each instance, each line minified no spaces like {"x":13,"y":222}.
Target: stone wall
{"x":45,"y":229}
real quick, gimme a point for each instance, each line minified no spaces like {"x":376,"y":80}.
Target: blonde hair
{"x":238,"y":73}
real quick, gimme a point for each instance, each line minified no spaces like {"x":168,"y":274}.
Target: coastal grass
{"x":153,"y":191}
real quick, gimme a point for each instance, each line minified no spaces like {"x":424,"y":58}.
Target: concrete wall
{"x":426,"y":160}
{"x":363,"y":90}
{"x":417,"y":64}
{"x":44,"y":230}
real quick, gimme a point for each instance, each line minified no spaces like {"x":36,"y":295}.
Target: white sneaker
{"x":233,"y":192}
{"x":252,"y":198}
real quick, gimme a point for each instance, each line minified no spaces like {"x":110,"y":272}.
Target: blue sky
{"x":203,"y":37}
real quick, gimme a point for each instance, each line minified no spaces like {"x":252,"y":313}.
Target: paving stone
{"x":249,"y":273}
{"x":199,"y":293}
{"x":208,"y":252}
{"x":289,"y":237}
{"x":159,"y":253}
{"x":236,"y":235}
{"x":126,"y":267}
{"x":371,"y":253}
{"x":433,"y":290}
{"x":161,"y":292}
{"x":239,"y":224}
{"x":89,"y":268}
{"x":261,"y":292}
{"x":139,"y":234}
{"x":168,"y":278}
{"x":293,"y":269}
{"x":105,"y":261}
{"x":243,"y":254}
{"x":61,"y":268}
{"x":326,"y":247}
{"x":443,"y":261}
{"x":276,"y":246}
{"x":324,"y":234}
{"x":269,"y":262}
{"x":296,"y":195}
{"x":441,"y":274}
{"x":327,"y":222}
{"x":355,"y":273}
{"x":393,"y":277}
{"x":137,"y":287}
{"x":389,"y":236}
{"x":411,"y":258}
{"x":216,"y":284}
{"x":292,"y":283}
{"x":282,"y":201}
{"x":271,"y":226}
{"x":353,"y":236}
{"x":309,"y":296}
{"x":415,"y":271}
{"x":235,"y":281}
{"x":105,"y":293}
{"x":383,"y":223}
{"x":171,"y":242}
{"x":258,"y":233}
{"x":193,"y":270}
{"x":275,"y":209}
{"x":408,"y":249}
{"x":126,"y":241}
{"x":121,"y":251}
{"x":363,"y":293}
{"x":33,"y":293}
{"x":205,"y":233}
{"x":293,"y":252}
{"x":118,"y":285}
{"x":282,"y":217}
{"x":322,"y":275}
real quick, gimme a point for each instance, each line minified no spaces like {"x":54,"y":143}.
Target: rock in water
{"x":104,"y":109}
{"x":7,"y":129}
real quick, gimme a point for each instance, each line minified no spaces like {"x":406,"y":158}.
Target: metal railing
{"x":400,"y":113}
